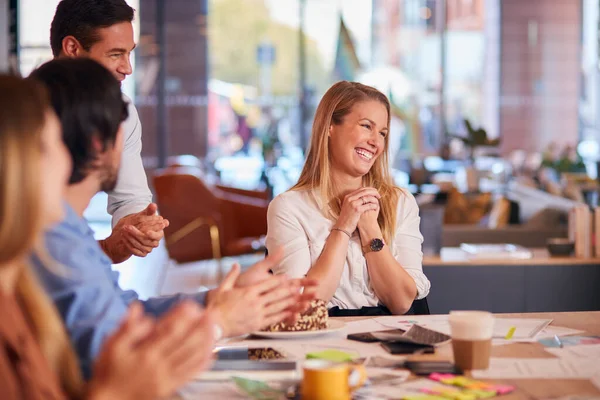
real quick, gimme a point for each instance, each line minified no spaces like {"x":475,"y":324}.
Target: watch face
{"x":376,"y":244}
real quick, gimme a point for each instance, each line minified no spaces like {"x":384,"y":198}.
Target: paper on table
{"x":576,"y":397}
{"x":379,"y":376}
{"x":546,"y":333}
{"x":581,"y":351}
{"x":209,"y":390}
{"x":263,"y":375}
{"x":539,"y":368}
{"x":365,"y":325}
{"x":526,"y":329}
{"x":437,"y":323}
{"x":569,"y":340}
{"x":297,"y":349}
{"x":394,"y":390}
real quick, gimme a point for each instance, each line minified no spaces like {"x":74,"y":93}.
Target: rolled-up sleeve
{"x":284,"y":230}
{"x":408,"y":242}
{"x":132,"y":194}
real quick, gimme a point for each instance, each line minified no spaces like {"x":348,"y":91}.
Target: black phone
{"x":368,"y":337}
{"x":365,"y":337}
{"x":407,"y":348}
{"x":430,"y":367}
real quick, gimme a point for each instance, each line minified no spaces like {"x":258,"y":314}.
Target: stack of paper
{"x":495,"y":251}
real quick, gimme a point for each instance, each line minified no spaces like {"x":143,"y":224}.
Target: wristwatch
{"x":375,"y":245}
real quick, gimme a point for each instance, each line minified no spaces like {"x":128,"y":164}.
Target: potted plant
{"x":475,"y":138}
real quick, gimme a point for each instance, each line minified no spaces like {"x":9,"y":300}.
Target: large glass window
{"x":243,"y":77}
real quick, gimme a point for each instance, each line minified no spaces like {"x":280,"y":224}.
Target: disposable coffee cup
{"x":471,"y":333}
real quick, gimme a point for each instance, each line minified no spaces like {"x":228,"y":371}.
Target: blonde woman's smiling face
{"x":356,"y":143}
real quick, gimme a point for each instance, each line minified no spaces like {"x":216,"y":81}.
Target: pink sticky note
{"x":438,"y":377}
{"x":503,"y":389}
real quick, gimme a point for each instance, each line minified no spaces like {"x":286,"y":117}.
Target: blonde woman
{"x":144,"y":359}
{"x":345,"y":223}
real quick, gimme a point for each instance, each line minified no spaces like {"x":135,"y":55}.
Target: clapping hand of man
{"x":147,"y":358}
{"x":136,"y":234}
{"x":253,"y":300}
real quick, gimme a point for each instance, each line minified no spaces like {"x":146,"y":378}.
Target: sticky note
{"x":510,"y":333}
{"x":459,"y":381}
{"x":257,"y":389}
{"x":423,"y":397}
{"x":478,"y":385}
{"x":481,"y":394}
{"x":503,"y":389}
{"x":438,"y":377}
{"x":331,"y":355}
{"x":450,"y":393}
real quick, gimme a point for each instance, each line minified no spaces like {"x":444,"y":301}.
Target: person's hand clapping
{"x":256,"y":299}
{"x":147,"y":359}
{"x":136,"y":234}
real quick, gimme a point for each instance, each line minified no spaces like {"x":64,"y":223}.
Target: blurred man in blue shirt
{"x":86,"y":290}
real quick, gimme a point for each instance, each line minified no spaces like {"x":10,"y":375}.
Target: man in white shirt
{"x":102,"y":30}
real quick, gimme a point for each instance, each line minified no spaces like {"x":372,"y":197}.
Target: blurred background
{"x":495,"y":108}
{"x":236,"y":82}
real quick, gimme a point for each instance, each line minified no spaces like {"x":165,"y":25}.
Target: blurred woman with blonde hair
{"x":141,"y":360}
{"x":345,"y":223}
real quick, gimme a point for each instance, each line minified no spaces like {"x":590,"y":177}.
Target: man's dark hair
{"x":82,"y":18}
{"x":88,"y":101}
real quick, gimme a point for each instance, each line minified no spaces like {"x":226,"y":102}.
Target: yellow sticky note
{"x":510,"y":333}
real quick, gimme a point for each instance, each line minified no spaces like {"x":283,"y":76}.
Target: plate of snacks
{"x":313,"y":322}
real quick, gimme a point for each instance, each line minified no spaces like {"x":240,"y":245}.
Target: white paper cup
{"x":471,"y":333}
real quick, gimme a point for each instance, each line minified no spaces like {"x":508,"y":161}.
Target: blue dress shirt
{"x":85,"y":289}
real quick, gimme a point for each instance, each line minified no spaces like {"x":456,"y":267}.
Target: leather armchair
{"x":206,"y":221}
{"x":188,"y":160}
{"x":261,"y":193}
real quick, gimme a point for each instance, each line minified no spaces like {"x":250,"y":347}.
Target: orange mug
{"x":326,"y":380}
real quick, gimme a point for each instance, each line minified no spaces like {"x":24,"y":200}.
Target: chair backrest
{"x":182,"y":198}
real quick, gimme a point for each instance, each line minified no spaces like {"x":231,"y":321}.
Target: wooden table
{"x":589,"y":322}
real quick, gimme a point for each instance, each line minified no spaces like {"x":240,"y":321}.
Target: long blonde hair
{"x":316,"y":174}
{"x":24,"y":105}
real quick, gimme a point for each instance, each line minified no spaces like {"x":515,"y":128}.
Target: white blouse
{"x":297,"y":222}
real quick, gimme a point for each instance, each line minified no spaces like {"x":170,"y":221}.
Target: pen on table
{"x":558,"y":341}
{"x":510,"y":333}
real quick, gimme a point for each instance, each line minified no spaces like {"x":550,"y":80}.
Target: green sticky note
{"x":331,"y":355}
{"x":258,"y":390}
